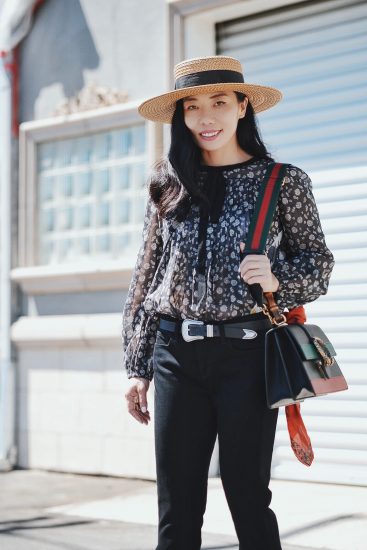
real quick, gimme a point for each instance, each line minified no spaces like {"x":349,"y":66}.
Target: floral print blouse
{"x":165,"y":278}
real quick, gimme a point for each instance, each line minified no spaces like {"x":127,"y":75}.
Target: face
{"x":212,"y":118}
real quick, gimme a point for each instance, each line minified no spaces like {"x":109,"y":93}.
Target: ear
{"x":243,"y":107}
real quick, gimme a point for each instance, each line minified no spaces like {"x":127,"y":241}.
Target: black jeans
{"x":204,"y":388}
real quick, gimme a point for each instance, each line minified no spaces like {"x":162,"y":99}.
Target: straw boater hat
{"x":204,"y":75}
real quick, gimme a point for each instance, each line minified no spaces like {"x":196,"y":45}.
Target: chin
{"x":213,"y":146}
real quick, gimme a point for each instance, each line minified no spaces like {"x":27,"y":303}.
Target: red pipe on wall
{"x":12,"y":66}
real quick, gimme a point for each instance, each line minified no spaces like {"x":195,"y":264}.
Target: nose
{"x":206,"y":117}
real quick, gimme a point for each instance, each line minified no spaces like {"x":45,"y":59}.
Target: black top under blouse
{"x":190,"y":269}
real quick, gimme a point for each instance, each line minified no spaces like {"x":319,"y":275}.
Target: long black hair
{"x":173,"y":179}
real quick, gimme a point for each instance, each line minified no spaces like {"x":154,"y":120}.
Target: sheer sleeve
{"x":138,"y":328}
{"x":304,"y":263}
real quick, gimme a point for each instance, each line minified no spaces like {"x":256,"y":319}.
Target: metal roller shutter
{"x":316,"y":54}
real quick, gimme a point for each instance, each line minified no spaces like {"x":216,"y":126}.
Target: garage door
{"x":316,"y":54}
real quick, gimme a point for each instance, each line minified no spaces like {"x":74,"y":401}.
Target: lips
{"x":210,"y":135}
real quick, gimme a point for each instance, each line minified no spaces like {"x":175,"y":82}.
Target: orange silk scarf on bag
{"x":300,"y":440}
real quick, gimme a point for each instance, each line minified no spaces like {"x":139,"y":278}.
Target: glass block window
{"x":91,"y":196}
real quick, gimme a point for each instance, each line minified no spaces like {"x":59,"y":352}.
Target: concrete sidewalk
{"x":46,"y":510}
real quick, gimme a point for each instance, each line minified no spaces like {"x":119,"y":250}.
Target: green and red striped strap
{"x":265,"y":208}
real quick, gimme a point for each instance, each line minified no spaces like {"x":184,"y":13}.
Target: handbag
{"x":299,"y":363}
{"x":299,"y":357}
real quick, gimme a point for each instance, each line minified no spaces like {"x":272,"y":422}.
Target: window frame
{"x":63,"y":127}
{"x":192,"y":33}
{"x":66,"y":127}
{"x":191,"y":24}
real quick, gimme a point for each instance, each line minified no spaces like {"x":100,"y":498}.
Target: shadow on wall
{"x":56,"y":51}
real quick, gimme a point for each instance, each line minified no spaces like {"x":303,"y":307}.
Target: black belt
{"x":193,"y":329}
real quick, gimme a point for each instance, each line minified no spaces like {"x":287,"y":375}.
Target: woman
{"x":189,"y":319}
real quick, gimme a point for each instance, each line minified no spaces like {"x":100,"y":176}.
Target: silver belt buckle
{"x":185,"y":329}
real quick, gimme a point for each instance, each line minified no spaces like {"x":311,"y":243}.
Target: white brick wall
{"x":72,"y":414}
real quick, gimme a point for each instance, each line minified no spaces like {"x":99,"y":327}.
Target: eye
{"x":188,"y":108}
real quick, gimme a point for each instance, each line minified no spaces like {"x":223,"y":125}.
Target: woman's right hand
{"x":136,"y":397}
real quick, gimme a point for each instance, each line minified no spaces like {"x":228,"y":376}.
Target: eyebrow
{"x":192,"y":98}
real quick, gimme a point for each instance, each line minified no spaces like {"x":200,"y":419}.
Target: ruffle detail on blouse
{"x":214,"y":187}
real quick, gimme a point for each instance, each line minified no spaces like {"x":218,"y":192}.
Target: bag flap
{"x":309,"y":351}
{"x":302,"y":334}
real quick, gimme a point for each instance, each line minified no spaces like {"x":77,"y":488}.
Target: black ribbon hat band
{"x":208,"y":77}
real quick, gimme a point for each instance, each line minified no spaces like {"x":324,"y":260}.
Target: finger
{"x":143,"y":399}
{"x":143,"y":416}
{"x":131,"y":406}
{"x":139,"y":417}
{"x":252,"y":272}
{"x":255,"y":264}
{"x":258,"y":272}
{"x":131,"y":394}
{"x":254,"y":259}
{"x":135,"y":406}
{"x":261,"y":280}
{"x":252,"y":267}
{"x":257,"y":278}
{"x":137,"y":414}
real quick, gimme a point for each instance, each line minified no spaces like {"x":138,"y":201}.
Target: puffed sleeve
{"x":304,"y":263}
{"x":138,"y":328}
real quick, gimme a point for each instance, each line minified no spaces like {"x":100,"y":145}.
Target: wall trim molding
{"x":67,"y":330}
{"x":40,"y":280}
